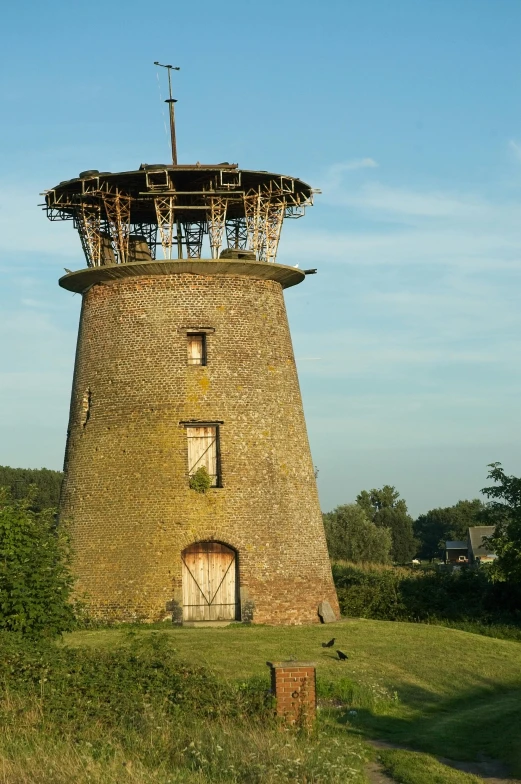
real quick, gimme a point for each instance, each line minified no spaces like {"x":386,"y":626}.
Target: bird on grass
{"x":328,"y":644}
{"x":342,"y":656}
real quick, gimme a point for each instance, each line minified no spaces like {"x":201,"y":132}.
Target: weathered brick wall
{"x":126,"y":495}
{"x":293,"y":684}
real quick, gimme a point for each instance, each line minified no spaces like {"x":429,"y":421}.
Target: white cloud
{"x":472,"y":249}
{"x":337,"y":169}
{"x":375,"y":354}
{"x":397,"y":226}
{"x":379,"y":198}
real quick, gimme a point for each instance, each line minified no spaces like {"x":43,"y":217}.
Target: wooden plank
{"x":209,"y":582}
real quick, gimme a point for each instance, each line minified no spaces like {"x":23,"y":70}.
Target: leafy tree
{"x":436,"y":526}
{"x":386,"y":509}
{"x":504,"y":511}
{"x":46,"y":482}
{"x":351,"y":536}
{"x":35,"y":583}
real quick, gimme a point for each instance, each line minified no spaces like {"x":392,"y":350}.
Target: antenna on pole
{"x":171,"y":101}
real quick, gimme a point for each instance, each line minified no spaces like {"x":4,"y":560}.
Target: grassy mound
{"x":441,"y":690}
{"x":176,"y":705}
{"x":137,"y":712}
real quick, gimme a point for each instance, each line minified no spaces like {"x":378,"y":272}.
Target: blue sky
{"x":406,"y":114}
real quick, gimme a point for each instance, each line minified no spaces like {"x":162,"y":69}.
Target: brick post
{"x":293,"y":684}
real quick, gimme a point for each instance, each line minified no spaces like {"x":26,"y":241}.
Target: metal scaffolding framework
{"x":237,"y":233}
{"x":165,"y":222}
{"x":216,"y":218}
{"x":88,"y":222}
{"x":124,"y":217}
{"x":117,"y":208}
{"x":194,"y":232}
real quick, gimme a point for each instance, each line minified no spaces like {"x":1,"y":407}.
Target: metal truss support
{"x":117,"y":207}
{"x":265,"y":209}
{"x":88,"y":223}
{"x":237,"y":233}
{"x":274,"y":216}
{"x":254,"y":227}
{"x":194,"y":232}
{"x":165,"y":222}
{"x":216,"y":215}
{"x":241,"y":217}
{"x":58,"y":214}
{"x":295,"y":211}
{"x":149,"y":233}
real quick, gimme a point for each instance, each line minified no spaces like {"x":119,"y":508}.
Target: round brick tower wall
{"x":126,"y":494}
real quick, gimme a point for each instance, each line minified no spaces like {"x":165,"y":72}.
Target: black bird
{"x":342,"y":656}
{"x":328,"y":644}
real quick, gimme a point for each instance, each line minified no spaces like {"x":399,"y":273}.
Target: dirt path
{"x":491,"y":771}
{"x":376,"y":775}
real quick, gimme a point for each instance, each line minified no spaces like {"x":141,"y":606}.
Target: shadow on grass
{"x":481,"y":723}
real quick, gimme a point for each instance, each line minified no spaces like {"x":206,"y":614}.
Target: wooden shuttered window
{"x":203,"y":450}
{"x":196,"y":347}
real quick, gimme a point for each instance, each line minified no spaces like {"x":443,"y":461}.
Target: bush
{"x":115,"y":688}
{"x":35,"y":584}
{"x":200,"y":481}
{"x":395,"y":594}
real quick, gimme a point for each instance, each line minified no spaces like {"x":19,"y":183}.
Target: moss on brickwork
{"x":126,"y":493}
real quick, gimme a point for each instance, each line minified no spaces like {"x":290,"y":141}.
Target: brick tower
{"x":189,"y":488}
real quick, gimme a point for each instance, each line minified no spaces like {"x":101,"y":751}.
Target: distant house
{"x":478,"y":552}
{"x":456,"y":552}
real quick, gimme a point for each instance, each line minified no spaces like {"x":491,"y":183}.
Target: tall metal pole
{"x":171,"y":101}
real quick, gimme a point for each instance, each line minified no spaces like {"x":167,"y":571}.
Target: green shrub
{"x":116,"y":687}
{"x":200,"y":481}
{"x":396,"y":594}
{"x":35,"y":583}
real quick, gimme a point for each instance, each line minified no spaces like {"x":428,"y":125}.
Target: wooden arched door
{"x":209,"y":582}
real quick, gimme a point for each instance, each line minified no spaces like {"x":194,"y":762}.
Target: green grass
{"x":186,"y":751}
{"x":425,"y":665}
{"x":138,"y":713}
{"x":435,"y":689}
{"x":441,"y":690}
{"x":409,"y":767}
{"x":501,"y":631}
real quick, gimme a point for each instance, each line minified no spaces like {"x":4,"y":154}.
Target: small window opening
{"x":85,"y":407}
{"x":196,"y":348}
{"x":203,"y":451}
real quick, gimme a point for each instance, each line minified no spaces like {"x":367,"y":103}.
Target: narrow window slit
{"x":85,"y":407}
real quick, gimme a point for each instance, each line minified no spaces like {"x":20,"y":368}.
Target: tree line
{"x":42,"y":484}
{"x":36,"y":585}
{"x":378,"y":528}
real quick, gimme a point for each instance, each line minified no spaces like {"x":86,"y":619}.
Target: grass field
{"x":439,"y":690}
{"x":436,"y":691}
